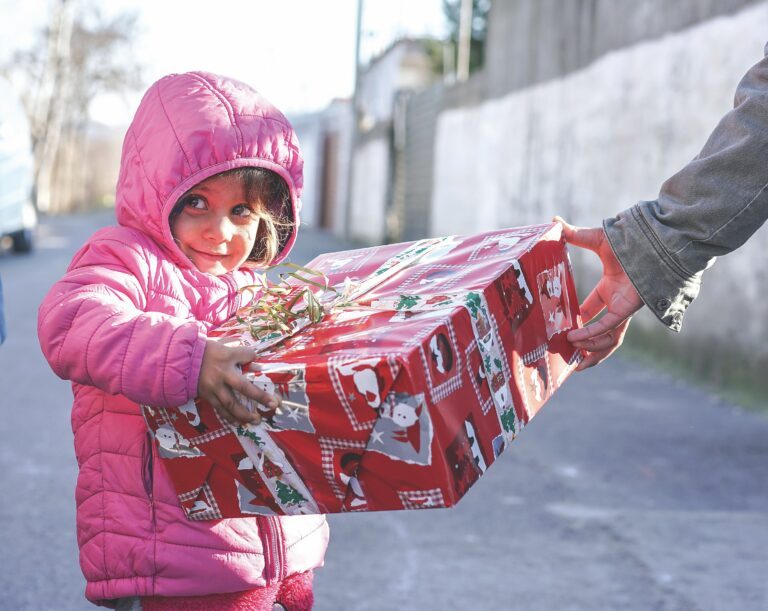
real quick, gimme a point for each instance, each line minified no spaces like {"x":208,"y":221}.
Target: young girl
{"x":208,"y":190}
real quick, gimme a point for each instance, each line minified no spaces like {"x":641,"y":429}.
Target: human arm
{"x":94,"y":330}
{"x":709,"y":208}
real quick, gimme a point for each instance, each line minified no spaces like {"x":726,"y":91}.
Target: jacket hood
{"x":189,"y":127}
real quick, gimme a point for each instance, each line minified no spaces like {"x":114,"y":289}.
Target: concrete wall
{"x":404,"y":65}
{"x":378,"y":188}
{"x":598,"y":139}
{"x":370,"y":191}
{"x":339,"y":121}
{"x":422,"y":112}
{"x":310,"y":132}
{"x":530,"y":42}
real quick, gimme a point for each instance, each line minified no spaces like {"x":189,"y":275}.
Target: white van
{"x":18,"y":217}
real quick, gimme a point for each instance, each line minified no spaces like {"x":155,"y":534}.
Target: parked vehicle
{"x":18,"y":217}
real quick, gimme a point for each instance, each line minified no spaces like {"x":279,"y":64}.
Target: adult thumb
{"x":583,"y":237}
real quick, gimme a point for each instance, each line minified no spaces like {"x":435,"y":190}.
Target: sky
{"x":298,"y":53}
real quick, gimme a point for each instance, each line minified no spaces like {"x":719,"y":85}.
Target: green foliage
{"x":288,"y":495}
{"x":508,"y":421}
{"x":474,"y":304}
{"x":243,"y":432}
{"x":452,"y":13}
{"x":278,"y":306}
{"x":434,"y":49}
{"x":407,"y":302}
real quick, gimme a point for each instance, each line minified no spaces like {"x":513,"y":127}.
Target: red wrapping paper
{"x":402,"y":395}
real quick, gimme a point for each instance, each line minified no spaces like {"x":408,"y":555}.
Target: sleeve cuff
{"x":661,"y":283}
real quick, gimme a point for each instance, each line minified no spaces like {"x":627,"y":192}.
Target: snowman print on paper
{"x":172,"y":445}
{"x":359,"y":385}
{"x":289,"y":383}
{"x":403,"y":430}
{"x":364,"y":376}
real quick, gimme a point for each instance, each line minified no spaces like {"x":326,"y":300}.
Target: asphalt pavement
{"x":630,"y":490}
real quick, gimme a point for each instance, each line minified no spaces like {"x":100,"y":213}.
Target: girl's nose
{"x":220,"y":229}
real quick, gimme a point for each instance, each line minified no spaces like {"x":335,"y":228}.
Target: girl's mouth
{"x":210,"y":255}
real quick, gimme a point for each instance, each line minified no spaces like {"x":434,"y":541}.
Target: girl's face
{"x":216,"y":228}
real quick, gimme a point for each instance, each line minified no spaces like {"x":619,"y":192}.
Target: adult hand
{"x":614,"y":293}
{"x":220,"y":377}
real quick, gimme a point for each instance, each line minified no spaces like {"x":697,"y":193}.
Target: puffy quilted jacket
{"x":128,"y":323}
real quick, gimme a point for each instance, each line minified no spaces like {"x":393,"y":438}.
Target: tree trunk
{"x":52,"y":102}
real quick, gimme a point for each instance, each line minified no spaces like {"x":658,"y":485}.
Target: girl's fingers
{"x":242,"y":355}
{"x":217,"y":405}
{"x":234,"y":411}
{"x":244,"y":387}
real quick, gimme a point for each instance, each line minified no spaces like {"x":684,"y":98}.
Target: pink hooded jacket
{"x":128,"y":323}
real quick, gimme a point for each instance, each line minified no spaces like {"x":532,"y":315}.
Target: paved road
{"x":628,"y":491}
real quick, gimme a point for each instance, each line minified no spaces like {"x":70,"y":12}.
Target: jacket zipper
{"x":147,"y":474}
{"x":279,"y":540}
{"x":274,"y":555}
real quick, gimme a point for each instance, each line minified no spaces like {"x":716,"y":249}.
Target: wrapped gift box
{"x":430,"y":358}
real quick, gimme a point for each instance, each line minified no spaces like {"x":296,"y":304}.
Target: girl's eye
{"x":195,"y":201}
{"x":242,"y":211}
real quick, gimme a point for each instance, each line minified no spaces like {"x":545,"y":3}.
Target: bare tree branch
{"x":78,"y":56}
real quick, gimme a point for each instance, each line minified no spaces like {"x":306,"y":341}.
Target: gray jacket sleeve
{"x":709,"y":208}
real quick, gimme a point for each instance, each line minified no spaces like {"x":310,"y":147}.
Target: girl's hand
{"x":220,"y":377}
